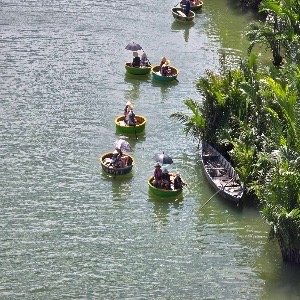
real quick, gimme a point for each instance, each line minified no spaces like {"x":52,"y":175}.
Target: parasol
{"x":133,"y":47}
{"x":163,"y":158}
{"x":122,"y":145}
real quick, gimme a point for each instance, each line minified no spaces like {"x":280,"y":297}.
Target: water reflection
{"x":135,"y":81}
{"x":121,"y":186}
{"x":162,"y":208}
{"x":165,"y":87}
{"x":185,"y":28}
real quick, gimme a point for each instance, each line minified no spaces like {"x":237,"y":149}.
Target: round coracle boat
{"x":180,"y":16}
{"x":108,"y":167}
{"x":137,"y":70}
{"x":122,"y":127}
{"x":158,"y":76}
{"x":163,"y":192}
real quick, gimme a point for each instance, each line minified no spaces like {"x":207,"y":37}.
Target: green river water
{"x":68,"y":231}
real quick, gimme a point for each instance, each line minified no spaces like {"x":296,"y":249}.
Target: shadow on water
{"x":121,"y":185}
{"x":165,"y":87}
{"x":132,"y":139}
{"x":185,"y":28}
{"x":162,"y":207}
{"x":135,"y":82}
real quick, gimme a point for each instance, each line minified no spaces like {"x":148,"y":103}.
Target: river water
{"x":68,"y":231}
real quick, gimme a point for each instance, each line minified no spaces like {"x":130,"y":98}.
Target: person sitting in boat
{"x":144,"y":60}
{"x":126,"y":111}
{"x":165,"y":180}
{"x":136,"y":62}
{"x":162,"y":62}
{"x":178,"y":183}
{"x":116,"y":159}
{"x":131,"y":117}
{"x":122,"y":158}
{"x":165,"y":69}
{"x":187,"y":7}
{"x":157,"y":175}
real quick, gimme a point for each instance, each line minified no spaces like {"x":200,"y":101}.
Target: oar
{"x":216,"y":193}
{"x":135,"y":131}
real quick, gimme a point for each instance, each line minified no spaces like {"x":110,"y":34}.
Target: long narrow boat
{"x":158,"y":76}
{"x":162,"y":192}
{"x":137,"y":70}
{"x":221,"y":175}
{"x":122,"y":127}
{"x":180,"y":16}
{"x":195,"y":5}
{"x":105,"y":160}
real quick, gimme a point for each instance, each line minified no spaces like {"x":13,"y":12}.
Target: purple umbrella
{"x":133,"y":47}
{"x":163,"y":158}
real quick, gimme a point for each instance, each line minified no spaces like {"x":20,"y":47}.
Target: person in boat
{"x":157,"y":175}
{"x":165,"y":180}
{"x":162,"y":61}
{"x":131,"y":117}
{"x":136,"y":62}
{"x":144,"y":60}
{"x":187,"y":7}
{"x":178,"y":183}
{"x":122,"y":158}
{"x":115,"y":159}
{"x":126,"y":111}
{"x":165,"y":69}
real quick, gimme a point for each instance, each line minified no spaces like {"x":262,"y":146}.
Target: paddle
{"x":217,"y":193}
{"x":135,"y":131}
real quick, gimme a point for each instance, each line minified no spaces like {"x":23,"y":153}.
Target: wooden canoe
{"x":105,"y":160}
{"x":137,"y":70}
{"x":220,"y":174}
{"x":180,"y":16}
{"x":195,"y":5}
{"x":161,"y":192}
{"x":122,"y":127}
{"x":158,"y":76}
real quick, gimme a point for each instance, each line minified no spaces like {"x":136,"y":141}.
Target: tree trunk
{"x":291,"y":255}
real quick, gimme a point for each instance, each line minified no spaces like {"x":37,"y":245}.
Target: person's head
{"x":144,"y":55}
{"x":167,"y":62}
{"x":163,"y":59}
{"x":135,"y":54}
{"x":165,"y":171}
{"x":157,"y":165}
{"x":128,"y":103}
{"x":177,"y":174}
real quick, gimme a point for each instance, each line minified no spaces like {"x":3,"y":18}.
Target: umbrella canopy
{"x":133,"y":46}
{"x":122,"y":145}
{"x":163,"y":158}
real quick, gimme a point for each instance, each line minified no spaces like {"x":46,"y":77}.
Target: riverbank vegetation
{"x":252,"y":114}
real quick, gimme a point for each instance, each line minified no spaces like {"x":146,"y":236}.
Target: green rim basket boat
{"x":137,"y":70}
{"x":161,"y":192}
{"x":105,"y":160}
{"x":122,"y":127}
{"x":157,"y":75}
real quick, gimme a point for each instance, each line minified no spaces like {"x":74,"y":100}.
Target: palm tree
{"x":280,"y":32}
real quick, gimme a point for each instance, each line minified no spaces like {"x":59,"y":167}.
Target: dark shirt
{"x":165,"y":176}
{"x":136,"y":62}
{"x":177,"y":183}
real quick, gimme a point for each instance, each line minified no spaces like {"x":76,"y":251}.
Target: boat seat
{"x":182,"y":14}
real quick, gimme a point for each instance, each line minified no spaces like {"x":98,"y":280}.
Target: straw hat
{"x":128,"y":103}
{"x":157,"y":165}
{"x":165,"y":170}
{"x":167,"y":62}
{"x":115,"y":151}
{"x":135,"y":54}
